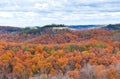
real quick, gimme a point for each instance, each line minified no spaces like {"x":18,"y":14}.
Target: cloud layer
{"x":71,"y":12}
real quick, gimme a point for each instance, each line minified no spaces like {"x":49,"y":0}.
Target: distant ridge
{"x":112,"y":27}
{"x":9,"y":29}
{"x":104,"y":27}
{"x":56,"y":28}
{"x":83,"y":27}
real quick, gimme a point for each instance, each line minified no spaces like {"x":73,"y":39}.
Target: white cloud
{"x":31,"y":14}
{"x":41,"y":12}
{"x":6,"y":15}
{"x":41,"y":6}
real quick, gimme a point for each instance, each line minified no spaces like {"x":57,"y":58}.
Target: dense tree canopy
{"x":90,"y":54}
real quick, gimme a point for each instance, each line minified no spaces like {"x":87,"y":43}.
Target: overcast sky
{"x":71,"y":12}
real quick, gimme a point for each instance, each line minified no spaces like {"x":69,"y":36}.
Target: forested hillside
{"x":59,"y":53}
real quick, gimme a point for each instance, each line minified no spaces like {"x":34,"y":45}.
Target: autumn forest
{"x":55,"y":53}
